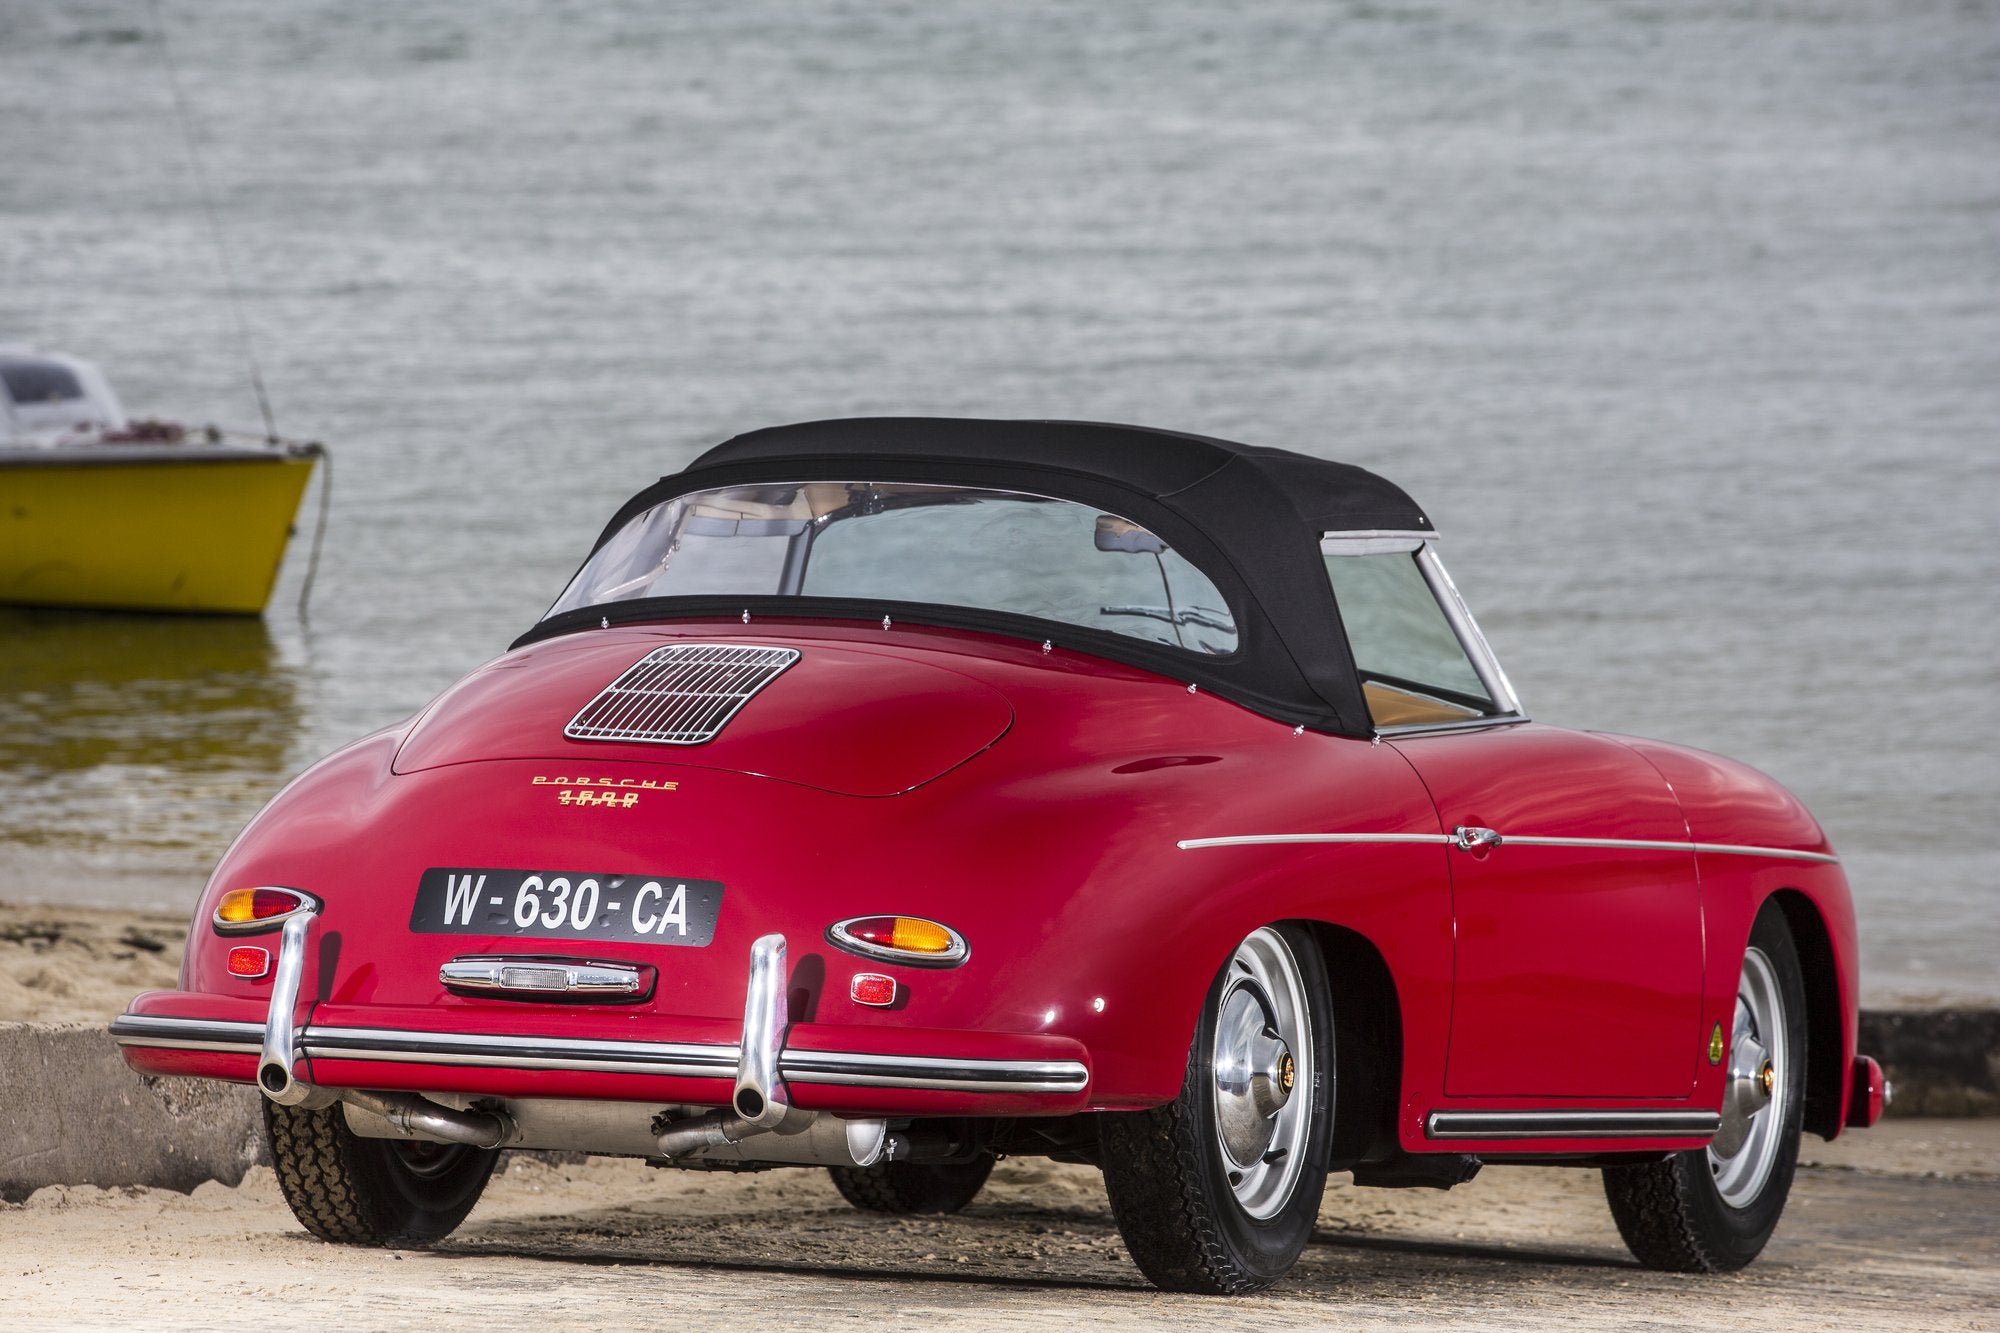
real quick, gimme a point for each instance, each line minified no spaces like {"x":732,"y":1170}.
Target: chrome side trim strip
{"x":1642,"y":844}
{"x":1571,"y":1124}
{"x":1515,"y":840}
{"x":1626,"y":844}
{"x":1262,"y":839}
{"x":1732,"y":849}
{"x":664,"y":1059}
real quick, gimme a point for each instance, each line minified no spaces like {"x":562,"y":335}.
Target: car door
{"x":1577,"y":923}
{"x":1577,"y":936}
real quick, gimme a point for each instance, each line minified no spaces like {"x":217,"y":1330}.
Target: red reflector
{"x":873,"y":988}
{"x":247,"y":960}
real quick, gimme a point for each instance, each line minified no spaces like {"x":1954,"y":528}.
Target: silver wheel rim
{"x":1264,"y":1075}
{"x":1756,"y":1099}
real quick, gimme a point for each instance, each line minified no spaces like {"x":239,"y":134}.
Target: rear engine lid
{"x":843,"y":718}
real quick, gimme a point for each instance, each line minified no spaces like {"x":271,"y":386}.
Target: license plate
{"x":564,"y":904}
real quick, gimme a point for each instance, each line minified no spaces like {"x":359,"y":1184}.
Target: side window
{"x":1413,"y":668}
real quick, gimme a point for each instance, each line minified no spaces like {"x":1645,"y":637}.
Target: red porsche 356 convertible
{"x":893,"y":795}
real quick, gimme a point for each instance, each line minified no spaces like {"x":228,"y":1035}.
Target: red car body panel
{"x":1034,"y":801}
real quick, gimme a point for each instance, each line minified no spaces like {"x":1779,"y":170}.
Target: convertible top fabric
{"x":1250,"y":517}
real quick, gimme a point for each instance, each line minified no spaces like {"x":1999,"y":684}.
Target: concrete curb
{"x":1943,"y":1062}
{"x":73,"y":1113}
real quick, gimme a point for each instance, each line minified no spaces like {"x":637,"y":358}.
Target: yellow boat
{"x":148,"y":527}
{"x":96,"y":511}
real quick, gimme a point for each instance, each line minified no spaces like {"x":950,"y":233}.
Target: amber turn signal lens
{"x":251,"y":909}
{"x":900,"y":939}
{"x":903,"y":932}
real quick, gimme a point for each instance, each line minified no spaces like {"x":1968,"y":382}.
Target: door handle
{"x":1470,"y":839}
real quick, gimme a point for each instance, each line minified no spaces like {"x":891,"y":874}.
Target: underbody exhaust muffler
{"x":416,"y":1116}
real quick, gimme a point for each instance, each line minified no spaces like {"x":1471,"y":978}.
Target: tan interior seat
{"x":1391,"y":707}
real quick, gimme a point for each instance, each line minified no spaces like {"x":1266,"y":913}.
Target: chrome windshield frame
{"x":1422,"y":546}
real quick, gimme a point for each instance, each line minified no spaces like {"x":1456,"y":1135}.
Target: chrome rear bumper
{"x":852,"y":1069}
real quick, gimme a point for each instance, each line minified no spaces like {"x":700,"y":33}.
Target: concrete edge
{"x":73,"y":1113}
{"x":1942,"y":1062}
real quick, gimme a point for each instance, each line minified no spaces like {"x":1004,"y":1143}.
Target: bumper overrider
{"x":769,"y":1091}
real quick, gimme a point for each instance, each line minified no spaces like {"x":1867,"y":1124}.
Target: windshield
{"x":960,"y":546}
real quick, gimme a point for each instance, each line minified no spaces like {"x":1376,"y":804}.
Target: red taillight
{"x":247,"y":960}
{"x":256,"y":909}
{"x":873,"y":988}
{"x":899,"y":939}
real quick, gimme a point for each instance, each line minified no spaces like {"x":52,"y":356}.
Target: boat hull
{"x":147,"y":528}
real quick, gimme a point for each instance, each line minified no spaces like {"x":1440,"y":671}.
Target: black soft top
{"x":1249,"y":517}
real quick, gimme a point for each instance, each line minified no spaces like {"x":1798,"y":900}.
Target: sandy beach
{"x":81,"y":965}
{"x":1892,"y":1230}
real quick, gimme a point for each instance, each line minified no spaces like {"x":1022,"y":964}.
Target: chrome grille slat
{"x":682,"y":694}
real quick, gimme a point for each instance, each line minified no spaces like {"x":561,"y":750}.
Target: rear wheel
{"x":911,"y":1187}
{"x":1218,"y":1190}
{"x":1710,"y":1210}
{"x":356,"y":1191}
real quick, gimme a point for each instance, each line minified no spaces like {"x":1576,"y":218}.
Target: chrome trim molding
{"x":1648,"y":845}
{"x":188,"y":1034}
{"x":1412,"y":730}
{"x":663,"y":1059}
{"x":502,"y":975}
{"x":1373,"y":541}
{"x":854,"y":1069}
{"x":575,"y":1055}
{"x":1263,"y":839}
{"x":1571,"y":1124}
{"x":1514,"y":840}
{"x":1732,"y":849}
{"x":1626,"y":844}
{"x":1491,"y":674}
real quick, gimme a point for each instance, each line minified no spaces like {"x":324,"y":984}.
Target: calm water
{"x":1682,"y":319}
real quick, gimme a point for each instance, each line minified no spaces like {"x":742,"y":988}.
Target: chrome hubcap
{"x":1262,"y":1055}
{"x":1754,"y":1100}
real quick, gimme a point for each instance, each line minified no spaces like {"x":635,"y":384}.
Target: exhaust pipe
{"x":409,"y":1113}
{"x":811,"y":1138}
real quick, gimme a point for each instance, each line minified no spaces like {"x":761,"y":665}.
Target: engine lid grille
{"x":682,"y":694}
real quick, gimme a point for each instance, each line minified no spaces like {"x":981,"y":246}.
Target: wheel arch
{"x":1826,"y":1037}
{"x":1367,"y":1045}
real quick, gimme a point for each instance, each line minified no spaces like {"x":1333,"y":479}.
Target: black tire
{"x":1673,"y":1213}
{"x":1173,"y":1189}
{"x":357,"y":1191}
{"x":911,"y":1187}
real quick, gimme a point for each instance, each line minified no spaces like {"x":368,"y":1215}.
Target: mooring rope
{"x":319,"y":524}
{"x":186,"y":120}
